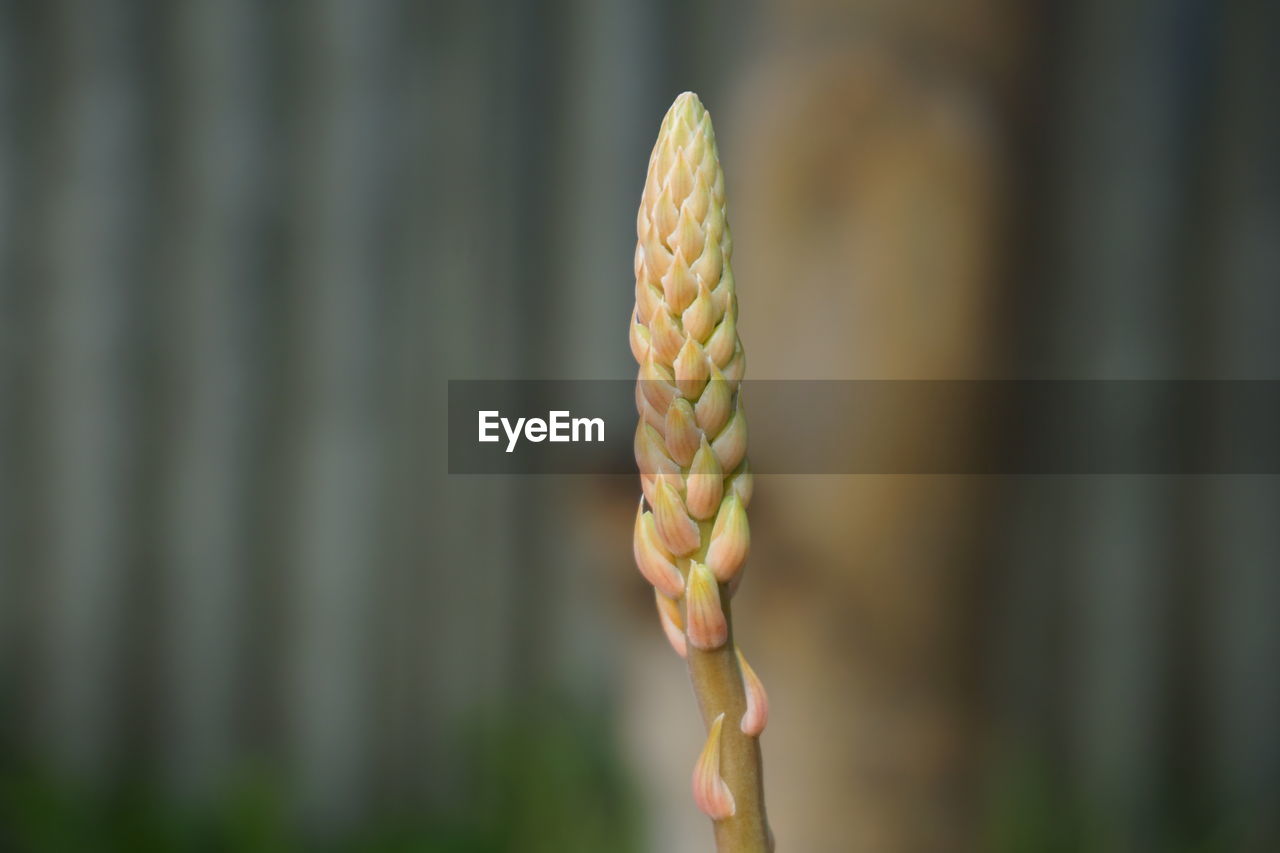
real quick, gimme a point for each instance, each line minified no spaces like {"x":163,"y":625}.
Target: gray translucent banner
{"x":891,"y":427}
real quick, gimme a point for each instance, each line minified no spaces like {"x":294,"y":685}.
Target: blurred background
{"x":243,"y":245}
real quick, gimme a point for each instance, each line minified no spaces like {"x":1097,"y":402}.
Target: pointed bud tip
{"x":756,"y":716}
{"x":705,"y":625}
{"x":710,"y":792}
{"x":689,"y":104}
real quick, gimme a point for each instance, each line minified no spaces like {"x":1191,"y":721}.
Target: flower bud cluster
{"x":691,"y":535}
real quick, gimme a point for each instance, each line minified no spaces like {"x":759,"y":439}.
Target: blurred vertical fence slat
{"x":449,"y":546}
{"x":214,"y":203}
{"x":1141,"y":593}
{"x":1240,"y":689}
{"x":11,"y":586}
{"x":90,"y":250}
{"x":342,"y":184}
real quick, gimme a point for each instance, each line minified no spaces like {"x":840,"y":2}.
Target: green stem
{"x":717,"y":683}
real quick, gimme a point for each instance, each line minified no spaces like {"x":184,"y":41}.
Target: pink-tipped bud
{"x":646,"y":411}
{"x":657,"y":258}
{"x":665,"y":336}
{"x":680,"y":178}
{"x":653,"y":560}
{"x":651,"y":454}
{"x":690,"y":369}
{"x":707,"y":266}
{"x":672,"y":622}
{"x":705,"y":484}
{"x":699,"y":318}
{"x":657,"y":383}
{"x":716,"y":403}
{"x":757,"y":713}
{"x":723,"y":340}
{"x":710,"y":792}
{"x":705,"y":625}
{"x":639,"y":340}
{"x":679,"y":532}
{"x":681,"y":431}
{"x":743,"y":483}
{"x":731,"y":444}
{"x":730,"y":540}
{"x":699,"y":201}
{"x":649,"y":300}
{"x":666,"y":212}
{"x":722,"y":294}
{"x":688,"y":239}
{"x":679,"y":287}
{"x":649,"y":487}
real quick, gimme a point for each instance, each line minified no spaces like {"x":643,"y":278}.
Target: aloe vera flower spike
{"x":691,"y":532}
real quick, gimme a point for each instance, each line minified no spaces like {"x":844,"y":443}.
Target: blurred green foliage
{"x":1033,"y":811}
{"x":544,"y":781}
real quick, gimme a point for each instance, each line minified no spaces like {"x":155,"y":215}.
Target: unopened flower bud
{"x":705,"y":625}
{"x":757,"y":713}
{"x":678,"y":531}
{"x":705,"y":483}
{"x":730,"y":540}
{"x":672,"y":622}
{"x":731,"y":444}
{"x":681,"y":431}
{"x":653,"y":560}
{"x":710,"y":792}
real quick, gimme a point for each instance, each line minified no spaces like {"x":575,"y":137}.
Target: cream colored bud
{"x":730,"y":540}
{"x":710,"y":792}
{"x":691,"y":370}
{"x":737,"y":366}
{"x":705,"y":625}
{"x":715,"y":403}
{"x":699,"y":318}
{"x":680,"y":179}
{"x":708,"y":265}
{"x":647,"y":411}
{"x":639,"y":340}
{"x":731,"y":444}
{"x":658,"y":384}
{"x":666,"y":213}
{"x":724,"y":339}
{"x":679,"y":287}
{"x":681,"y":431}
{"x":653,"y":560}
{"x":679,"y":532}
{"x":665,"y":336}
{"x":651,"y":456}
{"x":756,"y":716}
{"x":742,"y":483}
{"x":688,"y":240}
{"x":672,"y":623}
{"x":699,"y":201}
{"x":649,"y":299}
{"x":704,"y":487}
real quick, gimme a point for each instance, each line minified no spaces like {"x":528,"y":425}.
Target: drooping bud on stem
{"x":757,"y":713}
{"x":710,"y":792}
